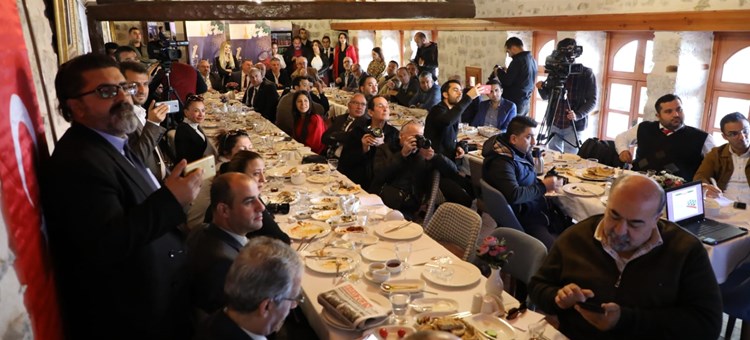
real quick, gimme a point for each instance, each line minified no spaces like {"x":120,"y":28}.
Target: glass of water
{"x":400,"y":305}
{"x":403,"y":250}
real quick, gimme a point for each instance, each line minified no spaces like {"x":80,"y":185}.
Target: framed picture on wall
{"x":66,"y":26}
{"x":473,"y":75}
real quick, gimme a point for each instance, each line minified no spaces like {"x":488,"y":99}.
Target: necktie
{"x":666,"y":131}
{"x":139,"y":167}
{"x":245,"y":83}
{"x":349,"y":121}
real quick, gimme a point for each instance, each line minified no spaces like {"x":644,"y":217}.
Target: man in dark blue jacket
{"x":518,"y":79}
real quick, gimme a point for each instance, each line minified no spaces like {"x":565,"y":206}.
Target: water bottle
{"x":536,"y":153}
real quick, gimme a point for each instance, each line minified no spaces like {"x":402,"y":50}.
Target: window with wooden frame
{"x":543,"y":45}
{"x":729,"y":81}
{"x":629,"y":61}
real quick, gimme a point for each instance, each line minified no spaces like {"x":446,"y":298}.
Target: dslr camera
{"x":278,"y":208}
{"x":422,"y":142}
{"x":375,"y":131}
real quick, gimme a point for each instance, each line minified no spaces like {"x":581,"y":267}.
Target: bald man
{"x":647,"y":276}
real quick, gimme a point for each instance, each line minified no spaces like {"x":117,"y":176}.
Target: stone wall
{"x":512,"y":8}
{"x":478,"y":49}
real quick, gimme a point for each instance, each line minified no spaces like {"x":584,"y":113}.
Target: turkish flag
{"x":22,"y":146}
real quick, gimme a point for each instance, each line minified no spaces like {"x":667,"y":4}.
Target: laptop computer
{"x":685,"y":207}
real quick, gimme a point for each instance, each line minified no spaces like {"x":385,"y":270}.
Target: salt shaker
{"x":476,"y":303}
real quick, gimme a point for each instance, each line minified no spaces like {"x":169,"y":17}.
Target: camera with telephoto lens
{"x":375,"y":131}
{"x":278,"y":208}
{"x":422,"y":142}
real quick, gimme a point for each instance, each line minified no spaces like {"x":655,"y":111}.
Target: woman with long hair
{"x":343,"y":49}
{"x":225,"y":62}
{"x":308,"y":125}
{"x":377,"y":65}
{"x":319,"y":61}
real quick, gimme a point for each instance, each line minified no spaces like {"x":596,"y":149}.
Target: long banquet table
{"x":267,"y":139}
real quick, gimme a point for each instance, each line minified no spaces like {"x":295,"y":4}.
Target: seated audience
{"x":300,"y":67}
{"x":346,"y":78}
{"x":428,"y":94}
{"x":651,"y":278}
{"x":284,"y":117}
{"x":509,"y":168}
{"x":403,"y":90}
{"x":242,"y":76}
{"x":190,"y":141}
{"x":377,"y":65}
{"x":720,"y":164}
{"x":403,"y":170}
{"x":126,"y":53}
{"x":262,"y":286}
{"x":390,"y":74}
{"x":278,"y":75}
{"x":337,"y":133}
{"x":212,"y":80}
{"x":277,"y":55}
{"x":366,"y":135}
{"x":237,"y":211}
{"x":295,"y":51}
{"x":308,"y":125}
{"x":368,"y":86}
{"x":357,"y":76}
{"x":261,"y":95}
{"x":666,"y":144}
{"x":496,"y":112}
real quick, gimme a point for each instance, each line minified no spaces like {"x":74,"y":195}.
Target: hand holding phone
{"x":592,"y":307}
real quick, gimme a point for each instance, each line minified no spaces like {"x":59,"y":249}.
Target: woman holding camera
{"x":308,"y":125}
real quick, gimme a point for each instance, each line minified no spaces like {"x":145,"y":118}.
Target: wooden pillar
{"x":96,"y":35}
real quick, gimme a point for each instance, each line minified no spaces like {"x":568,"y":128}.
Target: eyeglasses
{"x":299,"y":299}
{"x":106,"y":91}
{"x":732,"y":134}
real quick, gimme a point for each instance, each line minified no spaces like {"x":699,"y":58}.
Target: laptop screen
{"x":685,"y":202}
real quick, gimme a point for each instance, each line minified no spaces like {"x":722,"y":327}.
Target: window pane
{"x":649,"y":60}
{"x":620,"y":96}
{"x":541,"y":110}
{"x":736,"y":69}
{"x":625,"y":57}
{"x":718,"y":139}
{"x":545,"y":51}
{"x":390,"y":49}
{"x":727,"y":105}
{"x":616,"y":124}
{"x":643,"y":99}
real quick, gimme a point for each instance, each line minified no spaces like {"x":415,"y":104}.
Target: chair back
{"x":498,"y":207}
{"x":475,"y":167}
{"x":435,"y":199}
{"x":458,"y":225}
{"x":528,"y":253}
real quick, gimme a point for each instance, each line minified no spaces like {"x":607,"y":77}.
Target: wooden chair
{"x":457,"y":228}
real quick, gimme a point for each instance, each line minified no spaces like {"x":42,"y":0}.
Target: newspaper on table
{"x":350,"y":306}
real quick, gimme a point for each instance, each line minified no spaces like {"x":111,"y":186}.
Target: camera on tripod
{"x":166,"y":50}
{"x":561,"y":64}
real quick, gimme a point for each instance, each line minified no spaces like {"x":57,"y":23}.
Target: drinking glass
{"x":400,"y":305}
{"x":592,"y":162}
{"x":403,"y":250}
{"x":536,"y":330}
{"x":333,"y":164}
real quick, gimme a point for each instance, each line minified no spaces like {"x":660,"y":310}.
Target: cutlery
{"x":301,"y":243}
{"x":388,"y":286}
{"x":310,"y":241}
{"x":399,"y":227}
{"x":338,"y":270}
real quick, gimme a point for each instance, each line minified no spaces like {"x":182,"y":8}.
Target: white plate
{"x":403,"y":286}
{"x":365,"y":239}
{"x":434,"y":304}
{"x":324,"y":200}
{"x":287,"y":146}
{"x":306,"y":229}
{"x":349,"y":229}
{"x":379,"y":253}
{"x":275,"y":197}
{"x":484,"y":322}
{"x":392,"y":332}
{"x":319,"y":178}
{"x":350,"y":260}
{"x":583,"y":189}
{"x":567,"y":157}
{"x":283,"y":171}
{"x":464,"y":274}
{"x":582,"y":174}
{"x":342,"y":221}
{"x":317,"y":168}
{"x":411,"y":231}
{"x":326,"y":214}
{"x":352,"y":190}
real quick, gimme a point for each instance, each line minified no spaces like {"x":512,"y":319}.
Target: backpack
{"x":603,"y":150}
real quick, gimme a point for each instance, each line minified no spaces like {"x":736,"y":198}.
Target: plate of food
{"x":320,"y":178}
{"x":342,"y":220}
{"x":324,"y":206}
{"x":343,"y":188}
{"x":478,"y":326}
{"x":291,"y":197}
{"x":583,"y":189}
{"x":333,"y":260}
{"x":326,"y":214}
{"x":286,"y":146}
{"x":597,"y":173}
{"x":325,"y":200}
{"x":434,"y":305}
{"x":306,"y":229}
{"x":318,"y":168}
{"x":343,"y":230}
{"x":283,"y":171}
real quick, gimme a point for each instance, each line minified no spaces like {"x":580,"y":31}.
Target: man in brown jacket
{"x":724,"y":163}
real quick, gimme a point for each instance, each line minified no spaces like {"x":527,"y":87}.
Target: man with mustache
{"x":647,"y":277}
{"x":119,"y":258}
{"x":665,"y":144}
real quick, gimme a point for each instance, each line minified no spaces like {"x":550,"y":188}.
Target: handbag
{"x":394,"y":197}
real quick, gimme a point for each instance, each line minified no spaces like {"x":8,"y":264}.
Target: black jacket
{"x":583,"y":100}
{"x":354,"y":163}
{"x":441,"y":126}
{"x":265,"y":100}
{"x":519,"y":79}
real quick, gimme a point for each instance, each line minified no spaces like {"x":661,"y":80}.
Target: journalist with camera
{"x":570,"y":89}
{"x":178,"y":79}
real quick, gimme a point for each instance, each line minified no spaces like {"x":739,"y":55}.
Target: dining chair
{"x":456,"y":227}
{"x":170,"y":141}
{"x":735,"y":292}
{"x":435,"y":199}
{"x":498,"y":207}
{"x":475,"y":167}
{"x":528,"y":254}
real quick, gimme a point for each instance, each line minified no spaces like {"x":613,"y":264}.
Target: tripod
{"x":555,"y":100}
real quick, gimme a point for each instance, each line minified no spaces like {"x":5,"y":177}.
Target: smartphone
{"x":592,"y":306}
{"x":208,"y":164}
{"x":485,"y":89}
{"x":740,"y":205}
{"x":174,"y":105}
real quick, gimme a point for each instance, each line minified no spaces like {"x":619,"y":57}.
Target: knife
{"x":399,"y":227}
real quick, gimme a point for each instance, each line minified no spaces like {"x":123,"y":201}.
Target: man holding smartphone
{"x":518,"y":79}
{"x":628,"y":274}
{"x":717,"y":170}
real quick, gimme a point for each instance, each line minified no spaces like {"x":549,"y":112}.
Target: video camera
{"x":166,"y":50}
{"x":561,"y":64}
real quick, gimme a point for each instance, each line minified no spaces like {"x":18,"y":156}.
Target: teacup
{"x":381,"y":275}
{"x":394,"y":266}
{"x":298,"y":178}
{"x":377,"y":266}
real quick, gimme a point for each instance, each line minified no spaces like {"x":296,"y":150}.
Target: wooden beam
{"x":733,"y":20}
{"x":123,"y":10}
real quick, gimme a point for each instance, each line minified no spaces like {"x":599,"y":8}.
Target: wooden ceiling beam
{"x":124,"y":10}
{"x":733,"y":20}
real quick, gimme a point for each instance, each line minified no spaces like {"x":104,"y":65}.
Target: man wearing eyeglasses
{"x":727,"y":165}
{"x":118,"y":256}
{"x":263,"y":284}
{"x":261,"y":95}
{"x":337,"y":133}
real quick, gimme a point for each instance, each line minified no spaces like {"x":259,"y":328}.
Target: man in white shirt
{"x":145,"y":140}
{"x":665,"y":144}
{"x":212,"y":80}
{"x":242,"y":77}
{"x":725,"y":170}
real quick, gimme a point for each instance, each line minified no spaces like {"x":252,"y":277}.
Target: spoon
{"x":388,"y":286}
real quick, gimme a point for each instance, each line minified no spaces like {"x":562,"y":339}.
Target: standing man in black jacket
{"x":518,"y":79}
